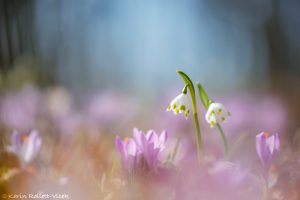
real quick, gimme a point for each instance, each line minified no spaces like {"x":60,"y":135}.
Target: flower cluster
{"x":142,"y":151}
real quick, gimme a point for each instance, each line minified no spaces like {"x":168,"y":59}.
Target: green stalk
{"x":175,"y":150}
{"x":206,"y":101}
{"x":191,"y":88}
{"x":224,"y":140}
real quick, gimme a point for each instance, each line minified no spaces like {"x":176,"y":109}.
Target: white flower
{"x":216,"y":113}
{"x":180,"y":104}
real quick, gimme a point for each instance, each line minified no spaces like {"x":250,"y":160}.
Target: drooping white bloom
{"x":180,"y":104}
{"x":216,"y":113}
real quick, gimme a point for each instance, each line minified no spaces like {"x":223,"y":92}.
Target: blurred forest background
{"x":136,"y":46}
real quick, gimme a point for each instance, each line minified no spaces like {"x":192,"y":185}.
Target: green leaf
{"x":203,"y":96}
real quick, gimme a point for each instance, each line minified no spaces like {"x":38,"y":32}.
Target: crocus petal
{"x":131,"y":147}
{"x":150,"y":153}
{"x":271,"y":144}
{"x":260,"y":145}
{"x":128,"y":150}
{"x":131,"y":151}
{"x":163,"y":139}
{"x":263,"y":149}
{"x":150,"y":134}
{"x":138,"y":137}
{"x":153,"y":138}
{"x":267,"y":147}
{"x":277,"y":142}
{"x":37,"y":140}
{"x":146,"y":150}
{"x":163,"y":136}
{"x":31,"y":147}
{"x":120,"y":146}
{"x":16,"y":144}
{"x":16,"y":141}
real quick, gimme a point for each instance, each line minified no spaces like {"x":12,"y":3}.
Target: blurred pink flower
{"x":24,"y":146}
{"x":150,"y":145}
{"x":254,"y":113}
{"x":129,"y":152}
{"x":18,"y":110}
{"x":267,"y":147}
{"x":108,"y":106}
{"x":217,"y":180}
{"x":142,"y":151}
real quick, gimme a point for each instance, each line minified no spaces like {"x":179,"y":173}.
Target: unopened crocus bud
{"x":267,"y":147}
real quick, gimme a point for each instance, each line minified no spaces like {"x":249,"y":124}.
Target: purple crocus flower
{"x":142,"y":150}
{"x":128,"y":151}
{"x":267,"y":146}
{"x":24,"y":146}
{"x":150,"y":145}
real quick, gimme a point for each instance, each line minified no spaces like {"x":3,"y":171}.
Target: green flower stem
{"x":225,"y":143}
{"x":175,"y":150}
{"x":191,"y":88}
{"x":206,"y":101}
{"x":198,"y":136}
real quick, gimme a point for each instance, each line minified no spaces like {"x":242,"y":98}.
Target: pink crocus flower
{"x":142,"y":151}
{"x":129,"y":152}
{"x":26,"y":147}
{"x":150,"y":145}
{"x":267,"y":147}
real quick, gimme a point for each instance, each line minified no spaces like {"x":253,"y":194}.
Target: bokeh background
{"x":236,"y":49}
{"x":136,"y":46}
{"x":102,"y":67}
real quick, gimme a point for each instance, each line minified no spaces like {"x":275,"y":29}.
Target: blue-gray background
{"x":136,"y":46}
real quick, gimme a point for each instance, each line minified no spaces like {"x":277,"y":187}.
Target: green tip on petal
{"x":182,"y":107}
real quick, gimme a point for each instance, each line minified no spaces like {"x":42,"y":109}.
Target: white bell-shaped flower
{"x":216,"y":113}
{"x":180,"y":104}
